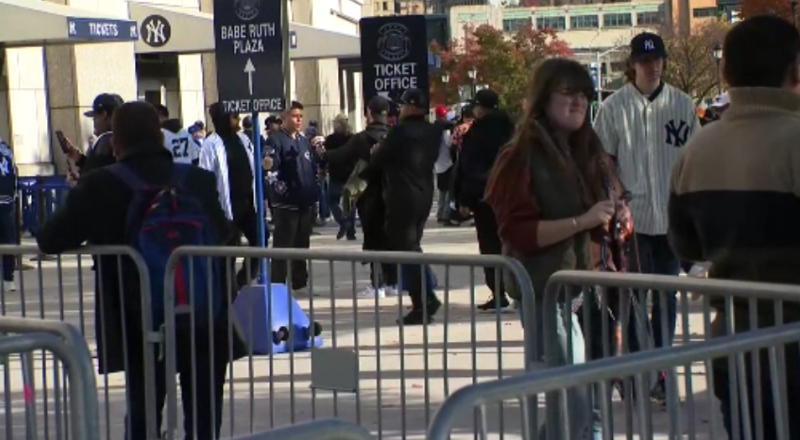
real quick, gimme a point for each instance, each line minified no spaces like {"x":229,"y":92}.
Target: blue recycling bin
{"x":39,"y":197}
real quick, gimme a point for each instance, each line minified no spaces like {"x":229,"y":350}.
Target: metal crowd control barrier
{"x":738,"y":348}
{"x":370,"y":369}
{"x":68,"y":346}
{"x":39,"y":197}
{"x":89,"y":288}
{"x":614,"y":320}
{"x":328,"y":429}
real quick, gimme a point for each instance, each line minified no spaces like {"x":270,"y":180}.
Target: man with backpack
{"x":148,"y":202}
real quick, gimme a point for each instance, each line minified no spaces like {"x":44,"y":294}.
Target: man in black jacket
{"x":491,"y":129}
{"x":95,"y":211}
{"x":369,"y":205}
{"x":406,"y":157}
{"x":101,"y":153}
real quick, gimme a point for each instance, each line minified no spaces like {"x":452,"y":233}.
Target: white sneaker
{"x":698,"y":271}
{"x":391,"y":291}
{"x":9,"y":286}
{"x":371,"y":292}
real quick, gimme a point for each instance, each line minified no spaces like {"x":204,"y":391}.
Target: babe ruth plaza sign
{"x":249,"y":55}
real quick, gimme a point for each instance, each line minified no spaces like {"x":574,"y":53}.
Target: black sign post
{"x":249,"y":54}
{"x":249,"y":50}
{"x":394,"y":55}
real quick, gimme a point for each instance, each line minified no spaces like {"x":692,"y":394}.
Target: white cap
{"x":721,"y":101}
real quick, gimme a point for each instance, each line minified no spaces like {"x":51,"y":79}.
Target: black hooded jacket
{"x":479,"y":149}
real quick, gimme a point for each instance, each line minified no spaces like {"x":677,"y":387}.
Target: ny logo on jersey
{"x":677,"y":135}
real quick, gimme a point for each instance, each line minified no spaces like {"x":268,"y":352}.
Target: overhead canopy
{"x":36,"y":22}
{"x":183,"y":30}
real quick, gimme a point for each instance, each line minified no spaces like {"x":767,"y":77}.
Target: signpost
{"x":394,"y":55}
{"x":100,"y":29}
{"x":251,"y":36}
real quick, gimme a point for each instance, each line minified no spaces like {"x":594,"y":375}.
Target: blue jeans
{"x":8,"y":235}
{"x":656,"y":257}
{"x":334,"y":199}
{"x":570,"y":349}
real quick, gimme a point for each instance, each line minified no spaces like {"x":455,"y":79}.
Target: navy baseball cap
{"x":104,"y":103}
{"x":273,"y":120}
{"x":379,"y":106}
{"x":487,"y":98}
{"x":647,"y":44}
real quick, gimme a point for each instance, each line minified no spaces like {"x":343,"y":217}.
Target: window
{"x":385,"y":6}
{"x":557,"y":23}
{"x":584,"y":22}
{"x":705,"y":12}
{"x":617,"y":20}
{"x":512,"y":25}
{"x":648,"y":18}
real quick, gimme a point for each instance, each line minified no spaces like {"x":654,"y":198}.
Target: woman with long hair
{"x":551,"y":189}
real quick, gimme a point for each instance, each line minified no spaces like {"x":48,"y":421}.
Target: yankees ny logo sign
{"x":156,"y":31}
{"x":649,"y":45}
{"x":677,"y":135}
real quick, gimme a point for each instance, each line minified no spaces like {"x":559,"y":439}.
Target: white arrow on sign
{"x":384,"y":94}
{"x":249,"y":69}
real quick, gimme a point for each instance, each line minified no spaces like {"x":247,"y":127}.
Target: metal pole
{"x":287,"y":61}
{"x":259,"y":181}
{"x":719,"y":80}
{"x":599,"y":79}
{"x":794,"y":13}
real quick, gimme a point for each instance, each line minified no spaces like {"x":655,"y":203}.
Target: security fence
{"x":363,"y":367}
{"x":73,"y":400}
{"x":763,"y":409}
{"x":597,"y":315}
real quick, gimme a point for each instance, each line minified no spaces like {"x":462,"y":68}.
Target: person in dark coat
{"x":406,"y":157}
{"x":490,"y":131}
{"x":369,"y":205}
{"x":338,"y":173}
{"x":100,"y":153}
{"x":95,"y":212}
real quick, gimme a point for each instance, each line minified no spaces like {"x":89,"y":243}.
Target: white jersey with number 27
{"x":183,"y":148}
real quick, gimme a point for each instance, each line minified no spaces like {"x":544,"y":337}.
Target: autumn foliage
{"x":782,"y":8}
{"x":502,"y":63}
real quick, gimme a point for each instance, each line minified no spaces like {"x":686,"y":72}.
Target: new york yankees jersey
{"x":183,"y":148}
{"x":646,"y":135}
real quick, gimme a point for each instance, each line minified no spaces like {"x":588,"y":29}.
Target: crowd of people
{"x":641,"y":188}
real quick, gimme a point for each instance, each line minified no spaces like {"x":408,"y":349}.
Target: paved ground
{"x":400,"y":387}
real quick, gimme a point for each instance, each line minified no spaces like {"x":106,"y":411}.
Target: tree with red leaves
{"x":781,"y":8}
{"x":503,"y":64}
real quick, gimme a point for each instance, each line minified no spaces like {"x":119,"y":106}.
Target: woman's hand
{"x":599,"y":214}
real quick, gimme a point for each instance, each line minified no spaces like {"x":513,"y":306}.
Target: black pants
{"x":246,"y":223}
{"x":489,"y":244}
{"x":202,"y":380}
{"x":8,"y":235}
{"x":292,"y":229}
{"x":404,"y":234}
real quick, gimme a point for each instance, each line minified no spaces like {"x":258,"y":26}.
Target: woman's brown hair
{"x":553,"y":75}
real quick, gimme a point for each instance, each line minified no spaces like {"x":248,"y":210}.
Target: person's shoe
{"x":342,"y":232}
{"x":659,"y":392}
{"x":491,"y":305}
{"x":417,"y":317}
{"x":352,"y":237}
{"x":371,"y":292}
{"x":9,"y":286}
{"x":391,"y":291}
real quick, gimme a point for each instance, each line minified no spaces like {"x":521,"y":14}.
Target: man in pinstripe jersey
{"x":644,"y":125}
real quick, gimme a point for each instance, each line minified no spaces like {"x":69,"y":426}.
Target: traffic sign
{"x":249,"y":54}
{"x":394,"y":55}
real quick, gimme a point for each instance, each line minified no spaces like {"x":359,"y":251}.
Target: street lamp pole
{"x":717,"y":59}
{"x":445,"y":80}
{"x":794,"y":13}
{"x":473,"y":76}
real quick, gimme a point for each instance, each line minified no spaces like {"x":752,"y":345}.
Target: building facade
{"x":48,"y":87}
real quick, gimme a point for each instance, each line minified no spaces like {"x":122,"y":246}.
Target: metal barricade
{"x":371,"y":370}
{"x":39,"y":197}
{"x":70,"y":349}
{"x":328,"y":429}
{"x":614,"y":320}
{"x":105,"y":293}
{"x":754,"y":421}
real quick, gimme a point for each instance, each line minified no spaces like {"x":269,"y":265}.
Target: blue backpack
{"x":161,"y":219}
